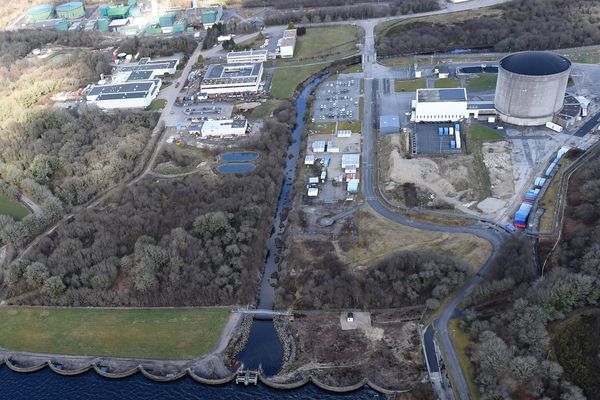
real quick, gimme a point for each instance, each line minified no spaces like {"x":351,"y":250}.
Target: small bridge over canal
{"x":259,"y":312}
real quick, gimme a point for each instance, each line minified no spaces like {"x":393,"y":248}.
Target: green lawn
{"x":446,"y":83}
{"x":264,"y":110}
{"x":483,"y":133}
{"x":285,"y":80}
{"x":352,"y":69}
{"x":461,"y":341}
{"x":482,"y":82}
{"x":409,"y":86}
{"x":13,"y":208}
{"x":144,"y":333}
{"x":157,"y":105}
{"x":327,"y":41}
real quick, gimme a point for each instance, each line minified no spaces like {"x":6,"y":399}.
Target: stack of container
{"x":531,"y":195}
{"x":453,"y":144}
{"x":522,"y":215}
{"x":539,"y":182}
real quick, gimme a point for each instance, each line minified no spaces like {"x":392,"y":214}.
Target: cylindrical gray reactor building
{"x":531,"y":87}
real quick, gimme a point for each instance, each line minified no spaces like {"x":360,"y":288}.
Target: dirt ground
{"x":367,"y":237}
{"x":497,"y":157}
{"x":444,"y":182}
{"x":337,"y":357}
{"x":450,"y":182}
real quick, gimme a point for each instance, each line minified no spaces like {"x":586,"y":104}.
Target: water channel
{"x":263,"y":346}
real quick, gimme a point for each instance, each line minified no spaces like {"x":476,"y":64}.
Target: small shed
{"x":350,"y":317}
{"x":389,"y":124}
{"x":353,"y":185}
{"x":313,"y":192}
{"x":310,"y":159}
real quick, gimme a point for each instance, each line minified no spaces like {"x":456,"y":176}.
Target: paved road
{"x":369,"y":163}
{"x":30,"y":203}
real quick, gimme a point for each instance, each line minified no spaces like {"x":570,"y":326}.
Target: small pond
{"x":236,"y":168}
{"x":239,"y":156}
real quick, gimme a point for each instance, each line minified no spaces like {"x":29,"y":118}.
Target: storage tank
{"x":71,"y":10}
{"x":61,"y":26}
{"x":531,"y":87}
{"x":166,"y":20}
{"x":104,"y":10}
{"x":103,"y":24}
{"x":40,"y":13}
{"x":135,"y":12}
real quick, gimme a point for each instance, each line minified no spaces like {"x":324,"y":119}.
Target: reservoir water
{"x":45,"y":384}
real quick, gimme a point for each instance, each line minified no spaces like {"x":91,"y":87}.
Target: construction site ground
{"x":388,"y":352}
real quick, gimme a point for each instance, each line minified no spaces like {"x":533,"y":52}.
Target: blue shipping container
{"x":457,"y":127}
{"x":452,"y":144}
{"x":440,"y":131}
{"x":446,"y":131}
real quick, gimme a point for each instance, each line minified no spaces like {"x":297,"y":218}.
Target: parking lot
{"x":337,"y":100}
{"x":427,"y":140}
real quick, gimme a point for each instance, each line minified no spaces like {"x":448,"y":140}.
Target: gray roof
{"x":441,"y":95}
{"x":133,"y":90}
{"x":246,"y":53}
{"x":231,"y":73}
{"x":536,"y":63}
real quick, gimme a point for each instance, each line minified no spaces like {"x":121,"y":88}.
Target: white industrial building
{"x":232,"y":78}
{"x":224,"y":128}
{"x":145,"y":69}
{"x":138,"y":94}
{"x":249,"y":56}
{"x":287,"y":43}
{"x":438,"y":105}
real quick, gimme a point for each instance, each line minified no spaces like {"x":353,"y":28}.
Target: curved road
{"x":369,"y":163}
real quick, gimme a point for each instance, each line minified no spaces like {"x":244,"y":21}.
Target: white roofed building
{"x":232,"y":78}
{"x":249,"y":56}
{"x":224,"y":128}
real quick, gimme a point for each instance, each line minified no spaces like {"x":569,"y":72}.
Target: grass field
{"x":482,"y":82}
{"x":484,"y":134}
{"x":327,"y":41}
{"x":13,"y":208}
{"x":548,"y":201}
{"x":157,"y":105}
{"x":140,"y":333}
{"x":446,"y":83}
{"x":380,"y":237}
{"x":352,"y":69}
{"x":409,"y":86}
{"x":285,"y":80}
{"x":476,"y":135}
{"x":461,"y":340}
{"x":264,"y":110}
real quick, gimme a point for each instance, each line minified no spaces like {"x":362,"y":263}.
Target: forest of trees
{"x":508,"y":316}
{"x":332,"y":10}
{"x":403,"y":279}
{"x":157,"y":47}
{"x":522,"y":25}
{"x":196,"y":240}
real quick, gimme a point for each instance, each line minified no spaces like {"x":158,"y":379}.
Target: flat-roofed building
{"x":438,"y":105}
{"x":147,"y":69}
{"x":287,"y":43}
{"x":232,"y":78}
{"x":137,"y":94}
{"x":249,"y":56}
{"x":224,"y":128}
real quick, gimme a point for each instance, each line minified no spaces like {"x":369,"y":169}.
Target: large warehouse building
{"x":224,"y":128}
{"x":437,"y":105}
{"x":287,"y":43}
{"x":232,"y":78}
{"x":145,"y":69}
{"x":137,"y":94}
{"x":531,"y":87}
